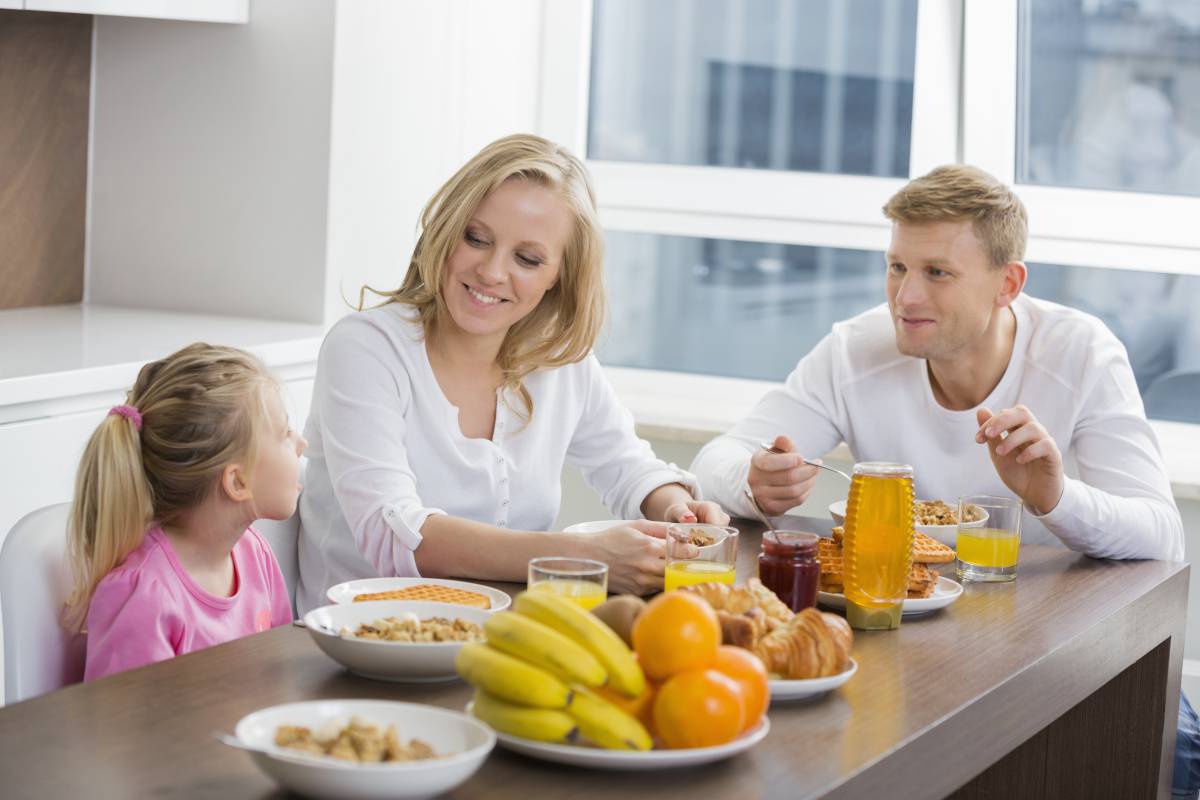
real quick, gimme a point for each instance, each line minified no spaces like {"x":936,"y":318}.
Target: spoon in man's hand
{"x":775,"y":450}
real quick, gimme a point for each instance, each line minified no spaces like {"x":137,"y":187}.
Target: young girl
{"x":163,"y":559}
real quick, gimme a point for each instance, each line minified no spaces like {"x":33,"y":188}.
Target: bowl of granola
{"x":396,"y":640}
{"x":936,"y":519}
{"x":364,"y":749}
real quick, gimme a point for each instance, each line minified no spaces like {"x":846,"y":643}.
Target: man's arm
{"x":803,"y":409}
{"x":1121,"y":504}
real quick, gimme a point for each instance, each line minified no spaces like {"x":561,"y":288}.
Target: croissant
{"x":742,"y":630}
{"x":741,"y":599}
{"x":811,"y":645}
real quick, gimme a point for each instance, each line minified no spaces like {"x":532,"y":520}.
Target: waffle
{"x":431,"y":592}
{"x":921,"y":579}
{"x":930,"y":551}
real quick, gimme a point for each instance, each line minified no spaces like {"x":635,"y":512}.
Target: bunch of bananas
{"x":536,"y":675}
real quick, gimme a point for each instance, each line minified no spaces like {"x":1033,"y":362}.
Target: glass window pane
{"x":753,"y":309}
{"x":744,"y":309}
{"x":1152,"y":313}
{"x":811,"y":85}
{"x":1110,"y":95}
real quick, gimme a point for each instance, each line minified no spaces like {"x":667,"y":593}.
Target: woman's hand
{"x":696,"y":511}
{"x":635,"y":554}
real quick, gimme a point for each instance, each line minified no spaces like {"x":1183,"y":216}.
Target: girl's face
{"x":509,"y":257}
{"x":275,"y":479}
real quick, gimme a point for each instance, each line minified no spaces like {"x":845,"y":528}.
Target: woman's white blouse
{"x":385,"y":451}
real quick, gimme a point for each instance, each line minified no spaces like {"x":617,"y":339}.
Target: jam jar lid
{"x":790,"y":544}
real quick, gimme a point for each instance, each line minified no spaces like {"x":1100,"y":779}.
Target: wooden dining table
{"x":1063,"y":683}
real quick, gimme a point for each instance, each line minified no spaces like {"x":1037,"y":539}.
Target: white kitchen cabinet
{"x":12,"y":4}
{"x":237,"y":11}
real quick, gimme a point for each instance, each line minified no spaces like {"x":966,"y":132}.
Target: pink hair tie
{"x":128,"y":412}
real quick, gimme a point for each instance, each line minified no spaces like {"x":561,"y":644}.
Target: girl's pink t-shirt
{"x":149,"y":609}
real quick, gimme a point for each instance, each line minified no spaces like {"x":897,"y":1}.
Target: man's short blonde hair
{"x":960,"y":192}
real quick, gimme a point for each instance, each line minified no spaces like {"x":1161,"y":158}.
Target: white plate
{"x":945,"y":592}
{"x":811,"y":687}
{"x":627,"y":760}
{"x":406,"y":662}
{"x":346,"y":592}
{"x":465,"y":741}
{"x":946,"y":534}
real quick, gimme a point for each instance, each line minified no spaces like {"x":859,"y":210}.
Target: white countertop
{"x":51,"y":353}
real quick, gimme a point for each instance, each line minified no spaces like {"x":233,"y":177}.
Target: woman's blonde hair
{"x":564,"y":326}
{"x":200,"y":410}
{"x":962,"y":192}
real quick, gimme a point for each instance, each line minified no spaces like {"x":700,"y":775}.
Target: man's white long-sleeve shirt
{"x":385,"y":451}
{"x":1067,"y":367}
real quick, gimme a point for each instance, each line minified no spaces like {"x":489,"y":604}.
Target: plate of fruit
{"x":560,"y":684}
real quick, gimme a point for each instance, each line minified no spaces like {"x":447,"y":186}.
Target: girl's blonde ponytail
{"x":188,"y":416}
{"x":111,"y":511}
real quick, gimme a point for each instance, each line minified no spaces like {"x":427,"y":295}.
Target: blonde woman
{"x":159,"y":539}
{"x":441,"y":419}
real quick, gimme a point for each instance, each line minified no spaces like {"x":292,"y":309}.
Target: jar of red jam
{"x":788,"y":566}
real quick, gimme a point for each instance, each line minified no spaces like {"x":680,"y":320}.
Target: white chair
{"x":284,"y":538}
{"x":35,"y":581}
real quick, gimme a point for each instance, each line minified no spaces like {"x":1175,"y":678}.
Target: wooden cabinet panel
{"x":45,"y":80}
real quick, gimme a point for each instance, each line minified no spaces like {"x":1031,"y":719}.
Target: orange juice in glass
{"x":699,"y":553}
{"x":580,"y":580}
{"x":878,"y":544}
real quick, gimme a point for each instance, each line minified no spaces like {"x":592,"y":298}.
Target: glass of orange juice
{"x":580,"y":580}
{"x":988,"y":552}
{"x":699,"y":553}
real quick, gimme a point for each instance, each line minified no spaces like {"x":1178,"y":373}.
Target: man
{"x":980,"y":388}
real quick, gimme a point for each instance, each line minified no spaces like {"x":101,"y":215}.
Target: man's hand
{"x":780,"y":481}
{"x":1025,"y":456}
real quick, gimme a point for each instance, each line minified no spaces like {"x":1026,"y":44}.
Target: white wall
{"x":211,"y":162}
{"x":419,"y":87}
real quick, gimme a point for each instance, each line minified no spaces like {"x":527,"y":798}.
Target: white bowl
{"x":946,"y":534}
{"x":406,"y":662}
{"x":465,"y":741}
{"x":346,"y":592}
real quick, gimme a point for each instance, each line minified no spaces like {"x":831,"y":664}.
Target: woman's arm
{"x":457,"y":547}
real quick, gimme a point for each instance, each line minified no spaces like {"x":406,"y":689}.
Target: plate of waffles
{"x":429,"y":590}
{"x":810,"y":687}
{"x":927,"y":589}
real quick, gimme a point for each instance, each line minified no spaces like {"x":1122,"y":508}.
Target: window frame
{"x":958,"y":47}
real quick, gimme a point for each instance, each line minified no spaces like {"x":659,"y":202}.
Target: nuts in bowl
{"x":936,"y":519}
{"x":396,"y":640}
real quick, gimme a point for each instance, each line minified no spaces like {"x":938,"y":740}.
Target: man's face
{"x":941,"y":289}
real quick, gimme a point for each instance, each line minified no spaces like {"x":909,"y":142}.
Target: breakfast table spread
{"x":1062,"y":683}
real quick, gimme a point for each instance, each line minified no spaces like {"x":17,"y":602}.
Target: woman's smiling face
{"x":510,"y":255}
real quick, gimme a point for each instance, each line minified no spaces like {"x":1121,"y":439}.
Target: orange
{"x":747,"y":669}
{"x":699,"y":708}
{"x":639,"y":707}
{"x":677,"y":631}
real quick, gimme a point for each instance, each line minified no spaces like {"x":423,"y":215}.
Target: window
{"x":745,"y":309}
{"x":815,"y":86}
{"x":1154,"y":316}
{"x":742,"y":150}
{"x":1110,"y":96}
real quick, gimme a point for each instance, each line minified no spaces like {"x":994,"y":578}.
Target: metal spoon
{"x":757,"y":510}
{"x":772,"y":449}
